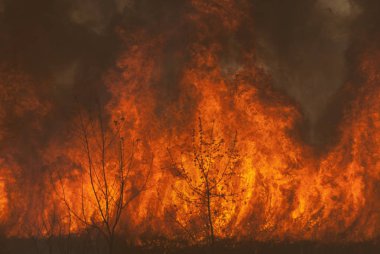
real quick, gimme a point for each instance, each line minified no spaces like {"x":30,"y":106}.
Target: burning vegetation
{"x":183,"y":140}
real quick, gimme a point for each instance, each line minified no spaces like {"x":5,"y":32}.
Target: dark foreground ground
{"x":74,"y":246}
{"x":279,"y":248}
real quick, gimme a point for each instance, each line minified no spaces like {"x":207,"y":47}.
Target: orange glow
{"x":3,"y":198}
{"x":287,"y":189}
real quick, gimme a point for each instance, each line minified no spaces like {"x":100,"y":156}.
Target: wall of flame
{"x":292,"y":192}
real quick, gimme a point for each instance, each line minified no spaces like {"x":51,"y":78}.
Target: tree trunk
{"x":110,"y":245}
{"x":209,"y":215}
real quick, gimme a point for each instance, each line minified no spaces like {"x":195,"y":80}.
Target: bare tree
{"x":50,"y":227}
{"x":109,"y":173}
{"x":209,"y":176}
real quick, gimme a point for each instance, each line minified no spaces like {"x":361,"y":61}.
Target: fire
{"x":272,"y":161}
{"x":18,"y":103}
{"x":291,"y":191}
{"x":286,"y":189}
{"x":3,"y":200}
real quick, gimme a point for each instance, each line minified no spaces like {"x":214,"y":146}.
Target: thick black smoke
{"x":303,"y":44}
{"x":64,"y":47}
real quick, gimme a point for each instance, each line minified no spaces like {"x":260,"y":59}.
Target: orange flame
{"x":287,"y":190}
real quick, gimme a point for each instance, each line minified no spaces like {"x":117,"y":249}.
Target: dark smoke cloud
{"x":364,"y":37}
{"x":303,"y":44}
{"x":64,"y":47}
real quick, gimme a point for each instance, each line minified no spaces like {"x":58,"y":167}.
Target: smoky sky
{"x":311,"y":48}
{"x":306,"y":46}
{"x":65,"y":47}
{"x":303,"y":43}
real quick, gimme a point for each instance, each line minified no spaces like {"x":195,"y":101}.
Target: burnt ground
{"x":277,"y":248}
{"x":80,"y":245}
